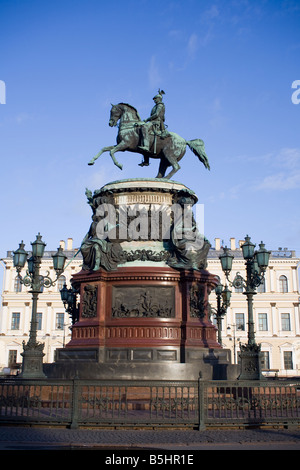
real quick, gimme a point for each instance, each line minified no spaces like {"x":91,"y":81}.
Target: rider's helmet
{"x":159,"y":95}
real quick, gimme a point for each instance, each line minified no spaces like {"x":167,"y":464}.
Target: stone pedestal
{"x":32,"y":367}
{"x":144,"y":288}
{"x":144,"y":314}
{"x":251,"y":362}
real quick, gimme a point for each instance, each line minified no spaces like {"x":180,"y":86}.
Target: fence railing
{"x":197,"y":404}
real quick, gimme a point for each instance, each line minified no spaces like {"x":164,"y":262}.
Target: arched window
{"x":60,"y":283}
{"x":17,"y":285}
{"x":283,"y":284}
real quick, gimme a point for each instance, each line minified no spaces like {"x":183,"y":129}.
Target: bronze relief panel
{"x":143,"y":301}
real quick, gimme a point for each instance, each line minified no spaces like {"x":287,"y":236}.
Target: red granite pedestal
{"x":144,"y":313}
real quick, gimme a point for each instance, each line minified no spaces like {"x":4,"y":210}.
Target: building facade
{"x":276,"y":310}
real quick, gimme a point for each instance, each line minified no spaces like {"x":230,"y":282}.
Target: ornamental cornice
{"x":144,"y":274}
{"x":290,"y":261}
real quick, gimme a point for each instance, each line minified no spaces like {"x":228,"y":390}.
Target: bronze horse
{"x":169,"y":149}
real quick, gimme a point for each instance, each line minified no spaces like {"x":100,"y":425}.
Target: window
{"x":17,"y":285}
{"x":288,"y":360}
{"x":262,"y":322}
{"x":283,"y":284}
{"x":240,"y":321}
{"x":285,"y":322}
{"x":59,"y":325}
{"x":60,"y":283}
{"x":12,"y":358}
{"x":39,"y":317}
{"x":265,"y":363}
{"x":15,"y":321}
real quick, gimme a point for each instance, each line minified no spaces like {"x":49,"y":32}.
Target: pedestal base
{"x":213,"y":364}
{"x":251,"y":362}
{"x":32,"y":367}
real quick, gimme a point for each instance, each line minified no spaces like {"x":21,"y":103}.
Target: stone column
{"x":274,"y":318}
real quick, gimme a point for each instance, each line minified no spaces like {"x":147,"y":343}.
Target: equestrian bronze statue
{"x":150,"y":138}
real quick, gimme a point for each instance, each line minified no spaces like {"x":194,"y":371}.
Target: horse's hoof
{"x":91,"y":163}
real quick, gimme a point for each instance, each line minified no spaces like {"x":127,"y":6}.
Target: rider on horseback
{"x":154,"y":122}
{"x":170,"y":147}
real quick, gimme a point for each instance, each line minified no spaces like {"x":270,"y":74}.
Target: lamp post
{"x":234,"y":341}
{"x":32,"y":366}
{"x":256,"y":264}
{"x":223,"y":302}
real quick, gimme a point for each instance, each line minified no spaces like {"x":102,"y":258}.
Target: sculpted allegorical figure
{"x":190,"y":247}
{"x":98,"y":252}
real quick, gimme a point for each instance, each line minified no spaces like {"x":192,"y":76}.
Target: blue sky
{"x":227,"y":68}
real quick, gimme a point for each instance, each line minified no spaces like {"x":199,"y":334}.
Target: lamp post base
{"x":251,"y":359}
{"x":32,"y":366}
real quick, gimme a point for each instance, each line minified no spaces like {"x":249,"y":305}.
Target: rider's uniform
{"x":156,"y":123}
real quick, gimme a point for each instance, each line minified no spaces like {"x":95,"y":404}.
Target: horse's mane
{"x":133,"y":108}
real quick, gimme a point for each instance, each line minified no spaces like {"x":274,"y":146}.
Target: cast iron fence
{"x":197,"y":404}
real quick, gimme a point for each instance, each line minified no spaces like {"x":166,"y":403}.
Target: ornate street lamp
{"x":223,"y":302}
{"x":69,"y":298}
{"x":256,"y":265}
{"x":226,"y":261}
{"x":59,"y":260}
{"x":32,"y":366}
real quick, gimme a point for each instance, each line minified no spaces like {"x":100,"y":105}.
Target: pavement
{"x":116,"y":442}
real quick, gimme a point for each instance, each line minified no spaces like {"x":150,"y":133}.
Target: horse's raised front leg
{"x":118,"y":148}
{"x":105,"y":149}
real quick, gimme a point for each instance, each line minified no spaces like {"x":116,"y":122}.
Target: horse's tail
{"x":197,"y":147}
